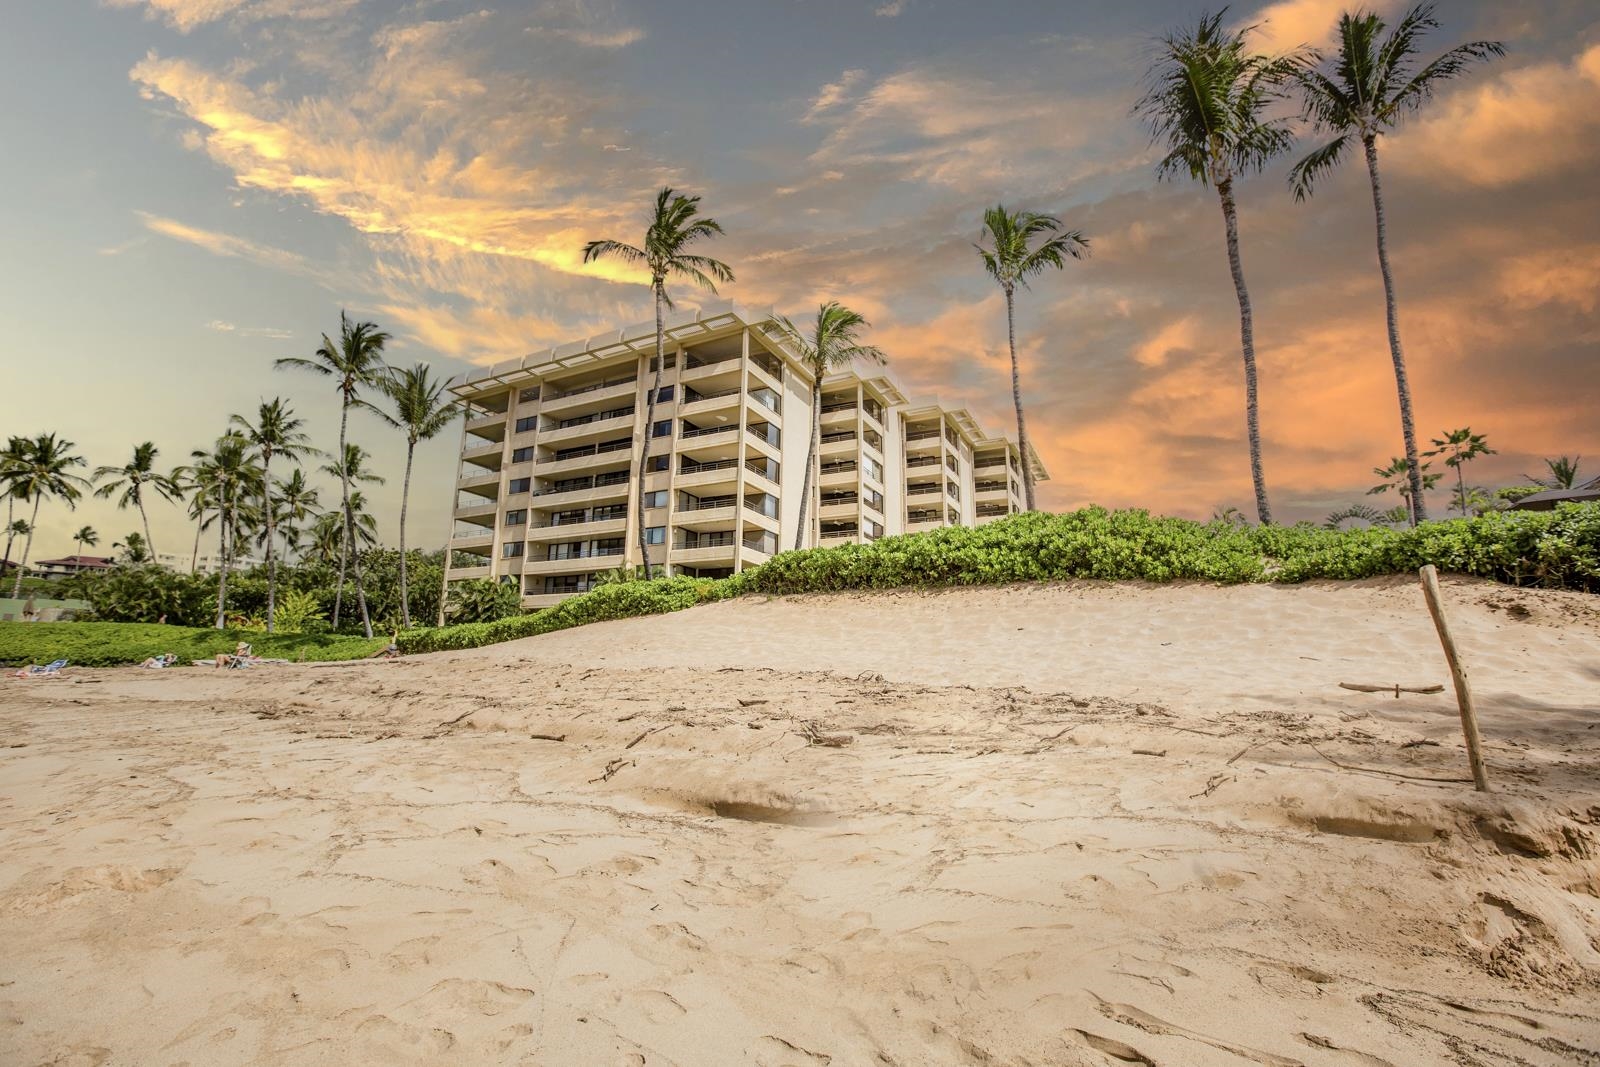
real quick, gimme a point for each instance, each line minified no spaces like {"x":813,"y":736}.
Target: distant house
{"x":7,"y":567}
{"x":1589,"y":491}
{"x":55,"y":568}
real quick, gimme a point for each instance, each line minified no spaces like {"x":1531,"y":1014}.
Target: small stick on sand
{"x":1397,"y":688}
{"x":1458,"y":673}
{"x":548,"y":737}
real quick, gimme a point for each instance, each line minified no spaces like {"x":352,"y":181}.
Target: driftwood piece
{"x":1458,"y":674}
{"x":547,"y":737}
{"x":1396,"y":689}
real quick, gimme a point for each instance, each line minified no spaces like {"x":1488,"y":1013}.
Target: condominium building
{"x":546,"y":493}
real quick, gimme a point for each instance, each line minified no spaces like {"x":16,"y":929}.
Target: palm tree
{"x":134,"y":547}
{"x":422,"y":411}
{"x":46,"y":472}
{"x":1397,"y":476}
{"x":832,"y":344}
{"x":131,"y":479}
{"x":1460,"y":447}
{"x":1369,"y":87}
{"x":297,"y":503}
{"x":353,"y":470}
{"x":327,"y":531}
{"x":355,"y":362}
{"x":1563,"y":473}
{"x":276,"y":432}
{"x":225,"y":475}
{"x":675,"y":225}
{"x":13,"y":458}
{"x":200,"y":505}
{"x":1207,"y":101}
{"x":1011,"y":262}
{"x":86,"y":535}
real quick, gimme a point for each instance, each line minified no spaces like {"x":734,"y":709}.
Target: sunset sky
{"x":192,"y":188}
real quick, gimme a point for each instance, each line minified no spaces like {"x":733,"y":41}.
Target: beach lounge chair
{"x":156,"y":663}
{"x":49,"y":670}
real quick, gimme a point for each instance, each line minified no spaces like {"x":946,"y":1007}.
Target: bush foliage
{"x":1557,"y":549}
{"x":117,"y":644}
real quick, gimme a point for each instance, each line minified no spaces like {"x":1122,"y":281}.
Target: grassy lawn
{"x":115,"y":644}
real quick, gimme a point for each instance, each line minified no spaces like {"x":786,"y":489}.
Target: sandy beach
{"x":1055,"y":825}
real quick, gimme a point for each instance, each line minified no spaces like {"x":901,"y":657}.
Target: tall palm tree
{"x":297,"y":503}
{"x":831,"y":344}
{"x":1207,"y":102}
{"x":421,"y":411}
{"x":1011,"y":262}
{"x":355,"y":362}
{"x":46,"y":472}
{"x":675,"y":225}
{"x":1369,"y":86}
{"x":13,"y":459}
{"x":86,"y":535}
{"x":276,"y":432}
{"x":225,"y":475}
{"x":353,"y":470}
{"x":131,"y":479}
{"x":327,"y":530}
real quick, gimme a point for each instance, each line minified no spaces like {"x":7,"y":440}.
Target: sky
{"x":194,"y":188}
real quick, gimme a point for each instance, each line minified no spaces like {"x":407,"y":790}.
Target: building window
{"x":660,"y":463}
{"x":511,"y":550}
{"x":664,"y":394}
{"x":672,"y":361}
{"x":527,"y":422}
{"x":872,"y":468}
{"x":608,"y":511}
{"x":516,"y":518}
{"x":521,"y":485}
{"x":528,"y":395}
{"x":657,"y":499}
{"x":873,"y":498}
{"x":655,"y":535}
{"x":662,"y":428}
{"x":522,"y":455}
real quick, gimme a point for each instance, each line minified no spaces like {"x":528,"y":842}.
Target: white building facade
{"x":546,"y":494}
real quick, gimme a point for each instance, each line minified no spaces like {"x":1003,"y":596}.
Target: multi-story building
{"x":546,"y":494}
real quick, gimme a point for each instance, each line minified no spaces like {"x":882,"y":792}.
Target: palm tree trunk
{"x":11,"y":517}
{"x":1402,"y":383}
{"x":355,"y":559}
{"x":649,"y":425}
{"x":222,"y":562}
{"x":812,"y":448}
{"x":272,"y":527}
{"x":27,"y":547}
{"x":1016,"y":400}
{"x":444,"y":583}
{"x":1461,"y":490}
{"x":344,"y":498}
{"x":149,"y":545}
{"x":1247,"y":344}
{"x":405,"y":498}
{"x":199,"y":528}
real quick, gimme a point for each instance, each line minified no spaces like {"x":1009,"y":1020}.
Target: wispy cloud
{"x":223,"y":244}
{"x":890,"y":9}
{"x":271,"y":332}
{"x":118,"y":249}
{"x":185,"y":15}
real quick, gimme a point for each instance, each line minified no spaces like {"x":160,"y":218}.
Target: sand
{"x":1053,"y":825}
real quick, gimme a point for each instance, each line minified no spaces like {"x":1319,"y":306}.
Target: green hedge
{"x":1558,"y":549}
{"x":113,"y":644}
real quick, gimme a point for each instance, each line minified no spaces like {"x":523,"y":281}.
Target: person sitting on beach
{"x":393,"y":649}
{"x":156,"y":663}
{"x":241,"y":656}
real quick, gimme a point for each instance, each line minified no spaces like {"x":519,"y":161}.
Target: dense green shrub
{"x":112,"y":644}
{"x":483,"y":600}
{"x":1558,"y":549}
{"x":146,"y":592}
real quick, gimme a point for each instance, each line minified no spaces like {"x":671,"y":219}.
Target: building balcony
{"x":577,"y":529}
{"x":476,"y":482}
{"x":711,"y":513}
{"x":930,"y":489}
{"x":467,"y":574}
{"x":474,"y":510}
{"x":707,"y":549}
{"x":595,"y":396}
{"x":485,"y":423}
{"x":584,"y":562}
{"x":697,"y":402}
{"x":463,"y":542}
{"x":585,"y":457}
{"x":544,"y":600}
{"x":712,"y":474}
{"x":699,"y":368}
{"x":605,"y":424}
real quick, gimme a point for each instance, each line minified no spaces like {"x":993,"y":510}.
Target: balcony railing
{"x":922,"y":490}
{"x":921,"y":435}
{"x":689,"y":466}
{"x":843,"y":405}
{"x":580,"y":451}
{"x":708,"y":503}
{"x":987,"y":511}
{"x":578,"y":485}
{"x":555,"y":556}
{"x":922,"y":461}
{"x":988,"y":487}
{"x":829,"y":499}
{"x":763,"y":431}
{"x":836,"y":532}
{"x":708,"y":540}
{"x":689,"y":432}
{"x":596,"y":387}
{"x":914,"y":517}
{"x":767,"y":470}
{"x":579,"y":519}
{"x":694,"y":396}
{"x":599,"y":416}
{"x":838,"y":435}
{"x":984,"y":463}
{"x":840,"y":466}
{"x":766,"y":544}
{"x":765,"y":504}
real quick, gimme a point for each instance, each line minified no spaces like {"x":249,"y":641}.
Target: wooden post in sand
{"x":1469,"y":717}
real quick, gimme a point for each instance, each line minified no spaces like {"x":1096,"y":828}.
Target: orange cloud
{"x":1533,"y":121}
